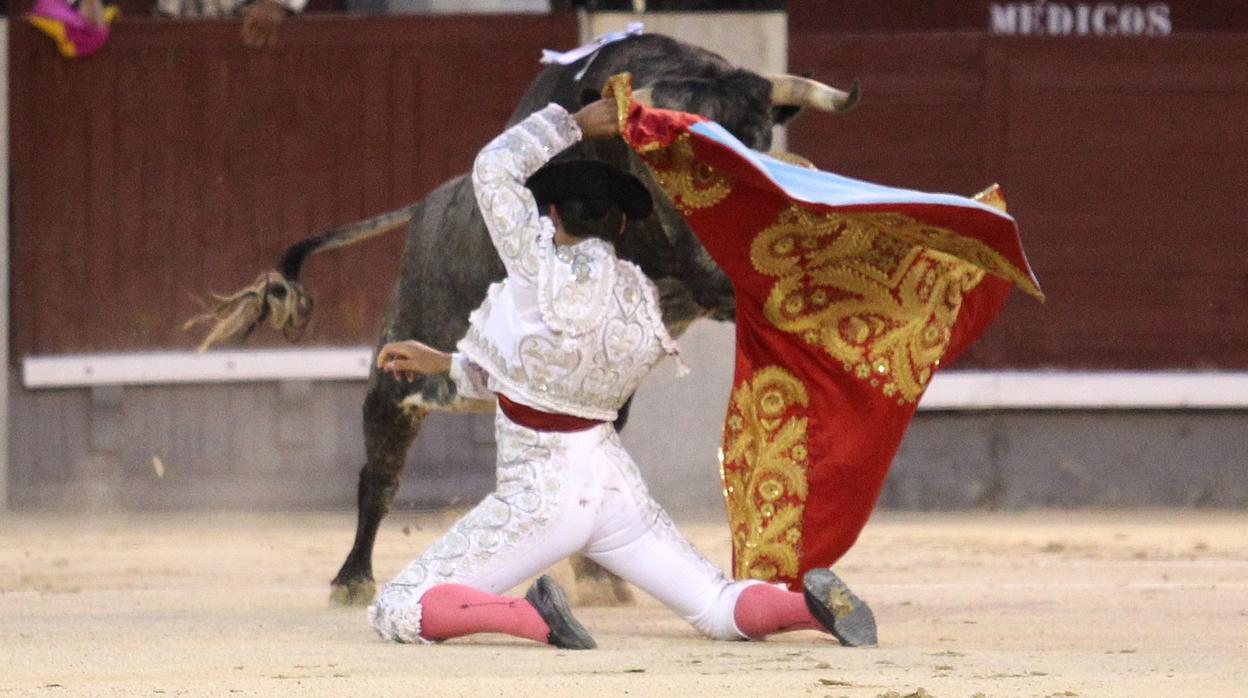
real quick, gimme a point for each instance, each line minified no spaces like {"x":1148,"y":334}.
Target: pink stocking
{"x":763,"y":609}
{"x":454,"y":610}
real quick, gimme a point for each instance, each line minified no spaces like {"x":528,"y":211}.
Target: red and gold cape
{"x":849,"y":296}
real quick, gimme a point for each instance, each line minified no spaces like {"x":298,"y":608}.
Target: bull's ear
{"x":781,"y":115}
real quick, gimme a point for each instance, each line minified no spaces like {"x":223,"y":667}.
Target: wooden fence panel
{"x":177,"y":161}
{"x":1122,"y":160}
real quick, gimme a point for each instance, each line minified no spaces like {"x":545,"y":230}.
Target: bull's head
{"x":736,"y":104}
{"x":673,"y":75}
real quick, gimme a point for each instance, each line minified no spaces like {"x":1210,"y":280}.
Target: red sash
{"x":538,"y":420}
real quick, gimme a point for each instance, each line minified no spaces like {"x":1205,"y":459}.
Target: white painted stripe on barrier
{"x":168,"y":368}
{"x":950,"y":390}
{"x":1040,"y":390}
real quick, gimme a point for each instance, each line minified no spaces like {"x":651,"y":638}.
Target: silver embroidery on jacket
{"x":596,"y":329}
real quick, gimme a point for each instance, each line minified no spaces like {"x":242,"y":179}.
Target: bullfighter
{"x":562,"y":342}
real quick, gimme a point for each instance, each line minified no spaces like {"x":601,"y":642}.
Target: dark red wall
{"x":1124,"y":161}
{"x":176,"y":161}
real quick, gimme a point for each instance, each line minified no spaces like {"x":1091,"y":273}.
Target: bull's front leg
{"x":389,"y":429}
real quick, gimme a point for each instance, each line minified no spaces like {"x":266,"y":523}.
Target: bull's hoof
{"x":603,"y":592}
{"x":358,"y":592}
{"x":595,"y":586}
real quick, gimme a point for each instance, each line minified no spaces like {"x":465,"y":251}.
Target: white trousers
{"x":558,"y":494}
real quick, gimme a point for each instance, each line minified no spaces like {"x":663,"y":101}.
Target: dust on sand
{"x":1038,"y":604}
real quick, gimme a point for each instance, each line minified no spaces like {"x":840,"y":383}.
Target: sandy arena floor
{"x":1041,"y":604}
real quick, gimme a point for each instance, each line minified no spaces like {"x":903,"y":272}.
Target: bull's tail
{"x":277,"y":296}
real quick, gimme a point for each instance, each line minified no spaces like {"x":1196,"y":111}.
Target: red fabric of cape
{"x":843,"y":313}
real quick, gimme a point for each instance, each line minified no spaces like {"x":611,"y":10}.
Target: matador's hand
{"x":598,"y":119}
{"x":408,"y":358}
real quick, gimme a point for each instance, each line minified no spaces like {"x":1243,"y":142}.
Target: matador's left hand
{"x":408,"y":358}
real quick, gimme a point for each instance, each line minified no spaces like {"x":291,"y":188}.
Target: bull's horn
{"x":795,"y":91}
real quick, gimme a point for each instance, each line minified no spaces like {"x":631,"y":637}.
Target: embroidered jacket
{"x":572,"y":329}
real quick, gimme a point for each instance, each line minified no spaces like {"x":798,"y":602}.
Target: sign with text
{"x":1079,"y":19}
{"x":1057,"y":18}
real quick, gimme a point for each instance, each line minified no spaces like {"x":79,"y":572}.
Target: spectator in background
{"x":261,"y":18}
{"x":78,"y":29}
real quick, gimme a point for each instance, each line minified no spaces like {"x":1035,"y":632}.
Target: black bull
{"x":449,"y":262}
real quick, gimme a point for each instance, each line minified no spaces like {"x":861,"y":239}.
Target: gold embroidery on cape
{"x":620,"y":88}
{"x":860,"y":287}
{"x":688,"y":182}
{"x":764,"y":473}
{"x":992,"y":196}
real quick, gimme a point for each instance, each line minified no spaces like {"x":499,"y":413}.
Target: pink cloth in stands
{"x":75,"y":36}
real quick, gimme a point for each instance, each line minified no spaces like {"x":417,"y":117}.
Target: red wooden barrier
{"x":178,"y":161}
{"x":1124,"y":161}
